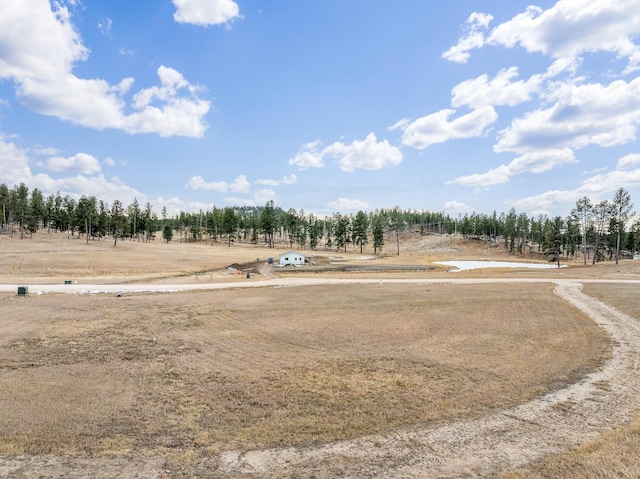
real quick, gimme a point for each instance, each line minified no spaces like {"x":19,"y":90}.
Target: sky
{"x":323,"y":105}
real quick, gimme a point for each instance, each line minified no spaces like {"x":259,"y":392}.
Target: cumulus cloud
{"x":454,"y":207}
{"x":597,"y":187}
{"x":309,"y":156}
{"x":581,"y":115}
{"x":629,"y":161}
{"x":175,"y":205}
{"x":14,"y":169}
{"x":569,"y":29}
{"x":41,"y":47}
{"x":438,"y":128}
{"x":501,"y":90}
{"x":346,"y":204}
{"x":81,"y":163}
{"x":205,"y":12}
{"x":264,"y":195}
{"x":14,"y":164}
{"x":532,"y":162}
{"x":239,"y":185}
{"x":368,"y":154}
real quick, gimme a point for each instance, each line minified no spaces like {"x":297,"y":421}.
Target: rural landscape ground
{"x":200,"y":360}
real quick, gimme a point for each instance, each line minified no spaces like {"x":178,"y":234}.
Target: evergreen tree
{"x":360,"y":226}
{"x":21,"y":204}
{"x":553,"y":239}
{"x":119,"y":224}
{"x":229,"y":223}
{"x":4,"y":204}
{"x":167,"y":233}
{"x":378,"y":234}
{"x":583,"y":212}
{"x":397,"y":224}
{"x":621,"y":209}
{"x":268,"y":221}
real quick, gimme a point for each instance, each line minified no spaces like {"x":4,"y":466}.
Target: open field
{"x":181,"y":384}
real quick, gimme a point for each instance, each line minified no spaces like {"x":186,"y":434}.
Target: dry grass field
{"x":178,"y":379}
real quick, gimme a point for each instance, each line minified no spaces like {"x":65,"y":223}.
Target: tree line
{"x":597,"y":231}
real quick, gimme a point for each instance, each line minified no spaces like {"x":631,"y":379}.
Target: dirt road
{"x":476,"y":448}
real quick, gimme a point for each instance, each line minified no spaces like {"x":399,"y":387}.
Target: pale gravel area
{"x":476,"y":448}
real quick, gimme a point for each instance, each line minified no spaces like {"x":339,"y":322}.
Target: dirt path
{"x":476,"y":448}
{"x":488,"y":445}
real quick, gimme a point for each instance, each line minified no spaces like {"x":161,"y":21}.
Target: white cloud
{"x":473,"y":38}
{"x":567,"y":30}
{"x":41,"y":47}
{"x":309,"y":156}
{"x":290,"y":180}
{"x":176,"y":205}
{"x":501,"y":90}
{"x":109,"y":162}
{"x":492,"y":177}
{"x":264,"y":195}
{"x":596,"y":187}
{"x":369,"y":154}
{"x":629,"y":161}
{"x":346,"y":204}
{"x":47,"y":151}
{"x":96,"y":185}
{"x":205,"y":12}
{"x":14,"y":169}
{"x":82,"y":163}
{"x":582,"y":115}
{"x":14,"y":164}
{"x":453,"y":207}
{"x":268,"y":182}
{"x":286,"y":180}
{"x":533,"y":162}
{"x":437,"y":128}
{"x":259,"y":198}
{"x":239,"y":185}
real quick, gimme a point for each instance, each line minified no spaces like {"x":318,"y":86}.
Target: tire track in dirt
{"x":484,"y":446}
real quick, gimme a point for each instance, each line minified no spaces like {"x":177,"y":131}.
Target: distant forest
{"x":596,"y":231}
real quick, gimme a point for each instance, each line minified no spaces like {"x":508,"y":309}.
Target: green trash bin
{"x":23,"y":290}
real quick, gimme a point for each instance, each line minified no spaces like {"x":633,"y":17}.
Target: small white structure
{"x":291,"y":257}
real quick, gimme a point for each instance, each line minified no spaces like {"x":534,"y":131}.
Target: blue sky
{"x":325,"y":106}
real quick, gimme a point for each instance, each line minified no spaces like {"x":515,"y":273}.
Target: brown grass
{"x":274,"y":367}
{"x":82,"y":375}
{"x":612,"y":455}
